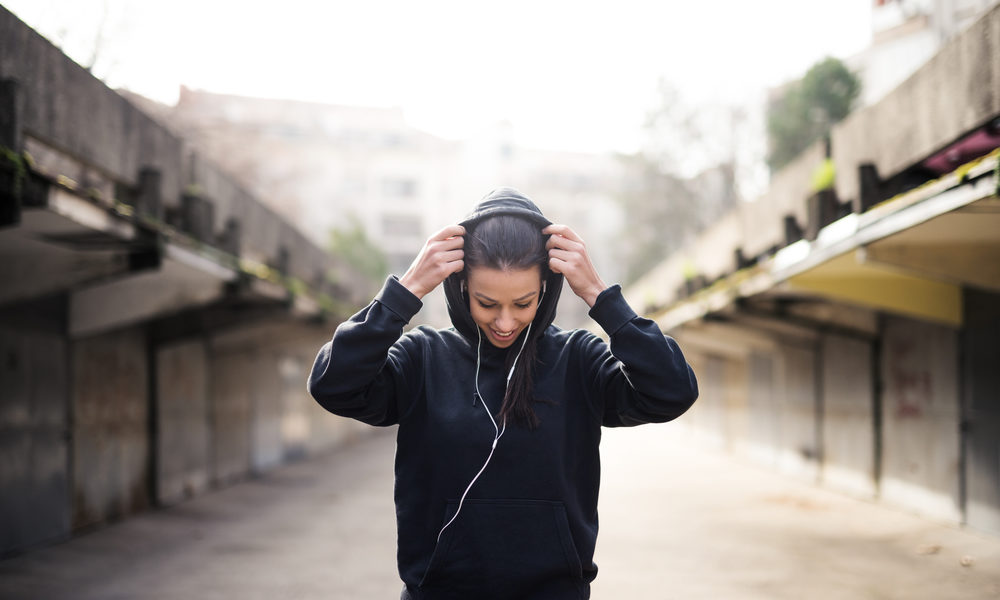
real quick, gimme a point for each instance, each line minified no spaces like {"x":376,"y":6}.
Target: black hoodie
{"x":528,"y":526}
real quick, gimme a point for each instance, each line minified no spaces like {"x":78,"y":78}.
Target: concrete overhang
{"x":117,"y":271}
{"x":184,"y":279}
{"x":67,"y":243}
{"x":910,"y":255}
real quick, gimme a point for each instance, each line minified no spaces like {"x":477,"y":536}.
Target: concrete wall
{"x":763,"y":400}
{"x":796,"y":411}
{"x":183,"y":444}
{"x":268,"y":447}
{"x":848,"y":416}
{"x":66,"y":106}
{"x":79,"y":128}
{"x":98,"y":423}
{"x":706,"y":420}
{"x":34,"y":424}
{"x":261,"y":412}
{"x":758,"y":396}
{"x":920,"y":403}
{"x":230,"y":405}
{"x":111,"y":445}
{"x":866,"y":403}
{"x":957,"y":90}
{"x":807,"y":408}
{"x":231,"y":413}
{"x":287,"y":422}
{"x":981,"y":409}
{"x":151,"y":424}
{"x":763,"y":219}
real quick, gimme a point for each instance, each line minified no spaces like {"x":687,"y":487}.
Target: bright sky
{"x":568,"y":75}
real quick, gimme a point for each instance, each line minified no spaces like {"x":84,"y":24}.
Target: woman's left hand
{"x":568,"y":255}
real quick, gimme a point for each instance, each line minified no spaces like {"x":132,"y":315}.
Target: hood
{"x":502,"y":201}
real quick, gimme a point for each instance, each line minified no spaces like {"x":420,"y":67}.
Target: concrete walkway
{"x":677,"y":521}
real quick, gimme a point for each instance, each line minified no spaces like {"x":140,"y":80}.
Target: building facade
{"x":849,"y":335}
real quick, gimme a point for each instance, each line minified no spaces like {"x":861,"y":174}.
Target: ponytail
{"x":508,"y":242}
{"x":520,"y":397}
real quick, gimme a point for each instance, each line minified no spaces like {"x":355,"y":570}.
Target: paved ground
{"x":677,"y":521}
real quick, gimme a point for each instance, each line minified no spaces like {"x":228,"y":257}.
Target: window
{"x":401,"y":225}
{"x":396,"y":187}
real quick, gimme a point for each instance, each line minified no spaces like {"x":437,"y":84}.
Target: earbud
{"x":542,"y":295}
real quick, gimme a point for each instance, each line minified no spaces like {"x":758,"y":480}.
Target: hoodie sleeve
{"x":643,"y":377}
{"x":369,"y":371}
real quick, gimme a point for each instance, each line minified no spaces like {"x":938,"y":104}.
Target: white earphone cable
{"x":499,"y":430}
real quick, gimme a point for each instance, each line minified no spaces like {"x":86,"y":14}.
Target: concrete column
{"x":267,"y":449}
{"x":231,"y":410}
{"x":34,"y":421}
{"x":183,"y":432}
{"x":230,"y":239}
{"x":110,"y":426}
{"x":799,"y":452}
{"x":764,"y":416}
{"x":920,"y":418}
{"x":848,"y":416}
{"x":10,"y":115}
{"x":981,"y":410}
{"x":12,"y":178}
{"x":198,"y":218}
{"x":149,"y":199}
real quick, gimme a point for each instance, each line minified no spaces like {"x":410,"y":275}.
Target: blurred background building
{"x":845,"y":324}
{"x":328,"y":168}
{"x":905,"y":35}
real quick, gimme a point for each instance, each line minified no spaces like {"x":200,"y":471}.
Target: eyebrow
{"x":488,"y":299}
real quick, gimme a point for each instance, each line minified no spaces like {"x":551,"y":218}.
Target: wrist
{"x":590,"y":297}
{"x":409,"y":283}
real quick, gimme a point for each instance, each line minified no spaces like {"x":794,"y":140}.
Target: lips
{"x":503,"y":335}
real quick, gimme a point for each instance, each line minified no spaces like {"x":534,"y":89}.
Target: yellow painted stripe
{"x":887,"y":290}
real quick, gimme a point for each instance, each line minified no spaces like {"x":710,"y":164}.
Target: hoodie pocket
{"x":505,"y":545}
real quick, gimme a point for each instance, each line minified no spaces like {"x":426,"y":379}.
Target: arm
{"x":367,"y":371}
{"x":643,"y":377}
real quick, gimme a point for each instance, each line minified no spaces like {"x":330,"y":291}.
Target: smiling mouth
{"x":502,"y":335}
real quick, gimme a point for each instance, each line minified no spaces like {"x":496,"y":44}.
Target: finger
{"x":449,"y":243}
{"x":452,"y":255}
{"x":563,"y":230}
{"x":556,"y":265}
{"x":557,"y":241}
{"x":563,"y":255}
{"x":456,"y":266}
{"x":449,"y":232}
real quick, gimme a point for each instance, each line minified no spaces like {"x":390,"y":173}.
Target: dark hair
{"x":506,"y":242}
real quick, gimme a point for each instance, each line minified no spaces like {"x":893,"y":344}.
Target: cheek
{"x":479,"y":315}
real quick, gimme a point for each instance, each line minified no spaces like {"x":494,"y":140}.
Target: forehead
{"x":504,"y":284}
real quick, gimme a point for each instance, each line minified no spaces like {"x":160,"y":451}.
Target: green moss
{"x":823,"y":176}
{"x":17,"y":163}
{"x":194,"y":189}
{"x":996,"y":190}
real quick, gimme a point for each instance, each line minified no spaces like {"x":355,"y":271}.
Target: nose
{"x":505,"y":321}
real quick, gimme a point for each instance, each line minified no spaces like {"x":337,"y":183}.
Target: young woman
{"x":497,"y":463}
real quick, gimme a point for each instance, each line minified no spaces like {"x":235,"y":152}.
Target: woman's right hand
{"x":441,"y":256}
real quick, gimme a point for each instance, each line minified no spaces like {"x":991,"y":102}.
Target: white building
{"x":905,"y":35}
{"x":325,"y":166}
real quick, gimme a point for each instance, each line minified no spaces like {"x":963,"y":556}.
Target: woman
{"x":497,"y":462}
